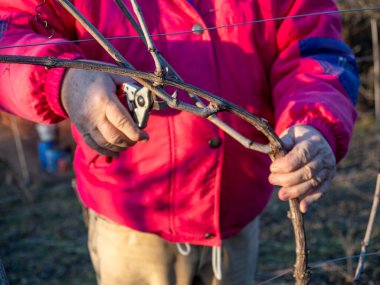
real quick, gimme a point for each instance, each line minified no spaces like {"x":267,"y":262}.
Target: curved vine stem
{"x":171,"y":71}
{"x":301,"y":272}
{"x":217,"y":104}
{"x":148,"y":40}
{"x":274,"y":148}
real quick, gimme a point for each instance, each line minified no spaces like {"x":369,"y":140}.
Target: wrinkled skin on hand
{"x":307,"y":170}
{"x":90,"y":100}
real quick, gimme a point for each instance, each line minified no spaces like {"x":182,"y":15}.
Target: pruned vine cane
{"x":165,"y":75}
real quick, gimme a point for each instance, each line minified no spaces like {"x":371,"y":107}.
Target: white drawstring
{"x":217,"y":262}
{"x":184,"y":251}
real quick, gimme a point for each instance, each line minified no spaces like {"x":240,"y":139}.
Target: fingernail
{"x":303,"y":208}
{"x":284,"y":196}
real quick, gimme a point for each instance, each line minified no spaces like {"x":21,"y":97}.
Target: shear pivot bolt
{"x":141,"y":101}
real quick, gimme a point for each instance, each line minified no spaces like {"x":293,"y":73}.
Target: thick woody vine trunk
{"x":301,"y":271}
{"x":301,"y":268}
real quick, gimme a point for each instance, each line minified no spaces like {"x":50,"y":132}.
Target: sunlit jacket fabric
{"x":184,"y":184}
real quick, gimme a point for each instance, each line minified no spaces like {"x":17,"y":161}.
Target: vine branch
{"x":274,"y":148}
{"x":365,"y":242}
{"x":148,"y":40}
{"x":170,"y":70}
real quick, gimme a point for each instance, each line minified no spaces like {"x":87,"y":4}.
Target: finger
{"x":312,"y":198}
{"x":99,"y":139}
{"x":303,"y":174}
{"x":113,"y":136}
{"x":120,"y":118}
{"x":91,"y":143}
{"x":286,"y":193}
{"x":300,"y":155}
{"x":314,"y":195}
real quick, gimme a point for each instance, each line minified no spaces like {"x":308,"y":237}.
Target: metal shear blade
{"x":139,"y":101}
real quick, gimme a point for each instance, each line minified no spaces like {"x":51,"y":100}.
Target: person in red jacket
{"x":178,"y":202}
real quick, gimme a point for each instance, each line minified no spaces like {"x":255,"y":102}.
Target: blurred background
{"x":43,"y":237}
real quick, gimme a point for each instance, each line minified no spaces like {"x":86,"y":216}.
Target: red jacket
{"x":191,"y":182}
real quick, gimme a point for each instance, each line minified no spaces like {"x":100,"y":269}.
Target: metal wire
{"x":318,"y":265}
{"x":374,"y":8}
{"x":223,"y":27}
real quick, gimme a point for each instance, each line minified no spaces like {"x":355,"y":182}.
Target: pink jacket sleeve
{"x":314,"y":77}
{"x":32,"y":92}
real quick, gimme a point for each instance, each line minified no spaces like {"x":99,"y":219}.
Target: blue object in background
{"x":52,"y":158}
{"x":43,"y":148}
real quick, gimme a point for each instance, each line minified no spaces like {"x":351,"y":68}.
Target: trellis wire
{"x":319,"y":264}
{"x":252,"y":22}
{"x":374,"y":8}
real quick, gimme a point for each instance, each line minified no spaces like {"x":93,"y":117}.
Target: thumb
{"x":121,"y":118}
{"x":287,"y":138}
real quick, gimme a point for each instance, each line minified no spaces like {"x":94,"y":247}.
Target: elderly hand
{"x":308,"y":168}
{"x":90,"y":100}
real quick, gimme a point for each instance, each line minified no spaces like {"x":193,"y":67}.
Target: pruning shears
{"x":140,"y":101}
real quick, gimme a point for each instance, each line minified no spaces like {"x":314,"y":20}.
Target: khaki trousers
{"x":122,"y":256}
